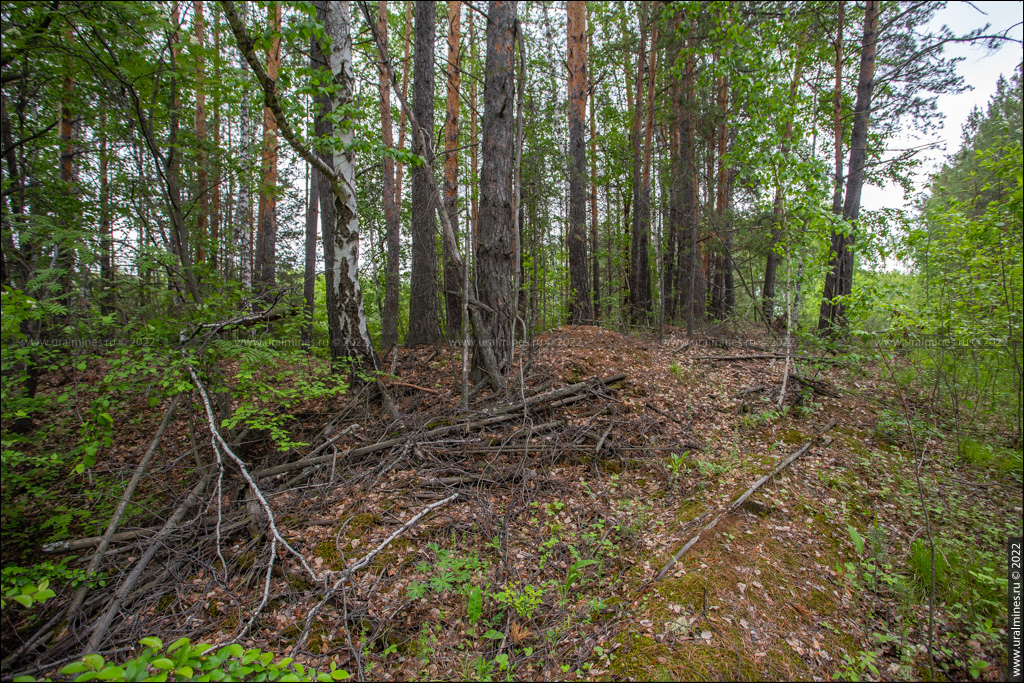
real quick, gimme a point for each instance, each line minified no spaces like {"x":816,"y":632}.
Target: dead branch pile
{"x":199,"y":540}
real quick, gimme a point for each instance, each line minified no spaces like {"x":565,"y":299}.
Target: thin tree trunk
{"x":632,"y":247}
{"x":839,"y":281}
{"x":202,"y":200}
{"x":243,"y":218}
{"x":453,"y":304}
{"x":309,"y":271}
{"x":778,"y":206}
{"x":392,"y":210}
{"x":106,"y":244}
{"x":401,"y":114}
{"x":266,"y":230}
{"x":215,"y":200}
{"x":423,"y":322}
{"x":579,"y":303}
{"x":595,"y":263}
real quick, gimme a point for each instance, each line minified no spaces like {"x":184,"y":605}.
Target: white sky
{"x":980,"y":69}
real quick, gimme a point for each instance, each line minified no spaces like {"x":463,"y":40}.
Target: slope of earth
{"x":544,"y":563}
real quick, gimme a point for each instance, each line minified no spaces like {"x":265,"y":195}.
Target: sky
{"x":981,"y":70}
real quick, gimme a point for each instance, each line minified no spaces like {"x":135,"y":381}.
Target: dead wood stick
{"x":739,"y":501}
{"x":64,"y":547}
{"x":99,"y":631}
{"x":122,"y":505}
{"x":502,"y":415}
{"x":415,"y":386}
{"x":364,"y":561}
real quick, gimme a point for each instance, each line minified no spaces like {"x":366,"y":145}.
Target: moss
{"x":793,"y":437}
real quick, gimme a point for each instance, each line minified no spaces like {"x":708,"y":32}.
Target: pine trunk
{"x":839,"y":281}
{"x":495,"y":257}
{"x":453,"y":298}
{"x":423,"y":322}
{"x":266,"y":232}
{"x":579,"y":302}
{"x":392,"y":213}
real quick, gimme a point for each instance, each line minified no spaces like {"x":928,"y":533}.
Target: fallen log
{"x":739,"y":501}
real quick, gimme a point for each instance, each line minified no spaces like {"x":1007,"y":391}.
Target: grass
{"x":1002,"y":460}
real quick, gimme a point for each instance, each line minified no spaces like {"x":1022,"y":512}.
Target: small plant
{"x":447,"y":572}
{"x":183,"y":661}
{"x":524,"y":600}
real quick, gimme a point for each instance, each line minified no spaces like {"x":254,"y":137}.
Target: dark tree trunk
{"x":839,"y":281}
{"x":423,"y":323}
{"x":579,"y":302}
{"x":453,"y":298}
{"x":495,"y":257}
{"x":595,"y":263}
{"x":390,"y":199}
{"x":639,"y":285}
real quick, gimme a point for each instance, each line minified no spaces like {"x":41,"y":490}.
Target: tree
{"x":453,"y":298}
{"x":495,"y":258}
{"x":266,"y":229}
{"x":423,"y":323}
{"x":839,"y":281}
{"x":577,"y":50}
{"x":203,"y":208}
{"x":392,"y":283}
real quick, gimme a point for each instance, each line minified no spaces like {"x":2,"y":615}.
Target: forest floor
{"x":544,"y":566}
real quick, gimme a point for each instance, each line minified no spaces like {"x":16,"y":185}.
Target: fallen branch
{"x":552,"y":399}
{"x":122,"y":505}
{"x":364,"y":561}
{"x":415,"y":386}
{"x":99,"y":631}
{"x":739,"y":501}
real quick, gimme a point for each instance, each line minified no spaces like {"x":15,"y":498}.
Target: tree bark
{"x":243,"y":217}
{"x":392,"y":214}
{"x":839,"y":281}
{"x":346,"y":317}
{"x":202,"y":200}
{"x":309,"y":271}
{"x":106,"y":244}
{"x":453,"y":303}
{"x":595,"y":264}
{"x":579,"y":303}
{"x":215,"y":200}
{"x":495,"y":257}
{"x":423,"y":322}
{"x":778,"y":206}
{"x":266,"y":229}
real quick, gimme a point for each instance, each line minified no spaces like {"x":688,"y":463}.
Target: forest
{"x":507,"y":340}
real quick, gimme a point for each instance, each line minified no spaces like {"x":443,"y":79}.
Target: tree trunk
{"x":778,"y":207}
{"x":243,"y":217}
{"x":453,"y":303}
{"x":691,"y":281}
{"x":215,"y":200}
{"x":202,"y":200}
{"x":423,"y":323}
{"x":106,"y":244}
{"x":595,"y":264}
{"x":266,"y":230}
{"x":634,"y":310}
{"x":839,"y":281}
{"x":495,"y":257}
{"x":837,"y":116}
{"x":309,"y":271}
{"x":579,"y":303}
{"x":401,"y":114}
{"x":346,"y":318}
{"x":392,"y":217}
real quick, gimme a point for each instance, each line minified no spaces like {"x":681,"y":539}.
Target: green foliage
{"x":184,"y":661}
{"x":30,"y":585}
{"x":447,"y":572}
{"x":522,"y":599}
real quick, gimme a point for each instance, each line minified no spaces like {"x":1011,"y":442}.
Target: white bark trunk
{"x":349,"y":316}
{"x":243,"y":221}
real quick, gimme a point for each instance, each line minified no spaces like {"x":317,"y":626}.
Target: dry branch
{"x":739,"y":501}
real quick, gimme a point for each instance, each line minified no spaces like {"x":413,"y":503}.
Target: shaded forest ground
{"x":545,"y":564}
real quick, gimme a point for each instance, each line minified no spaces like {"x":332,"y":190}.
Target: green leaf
{"x":94,"y":661}
{"x":494,"y":635}
{"x":162,"y":663}
{"x":156,"y":643}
